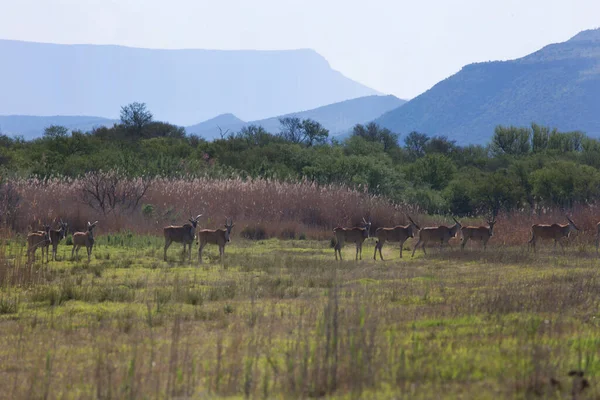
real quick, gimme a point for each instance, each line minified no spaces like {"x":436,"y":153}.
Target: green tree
{"x":372,"y":132}
{"x":56,"y":131}
{"x":435,"y":170}
{"x":415,"y":144}
{"x":135,"y":117}
{"x":307,"y":131}
{"x":511,"y":141}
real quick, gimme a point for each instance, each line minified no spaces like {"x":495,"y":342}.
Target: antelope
{"x":219,"y":237}
{"x":396,"y":234}
{"x":483,"y":233}
{"x":181,"y":234}
{"x":84,"y":239}
{"x":38,"y":239}
{"x":554,"y":231}
{"x":56,"y":235}
{"x":441,"y":234}
{"x":353,"y":235}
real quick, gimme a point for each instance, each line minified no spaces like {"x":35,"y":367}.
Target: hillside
{"x":558,"y":86}
{"x":31,"y":127}
{"x":179,"y":86}
{"x":338,"y":117}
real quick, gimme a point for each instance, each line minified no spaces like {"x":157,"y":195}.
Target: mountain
{"x":31,"y":127}
{"x":210,"y":129}
{"x":558,"y":86}
{"x":179,"y":86}
{"x":339,"y":117}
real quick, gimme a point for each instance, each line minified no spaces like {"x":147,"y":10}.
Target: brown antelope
{"x":181,"y":234}
{"x":355,"y":235}
{"x":441,"y":234}
{"x":483,"y":233}
{"x":84,"y":239}
{"x":219,"y":237}
{"x":38,"y":239}
{"x":555,"y":232}
{"x":56,"y":235}
{"x":396,"y":234}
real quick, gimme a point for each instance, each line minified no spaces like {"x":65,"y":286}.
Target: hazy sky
{"x":399,"y":47}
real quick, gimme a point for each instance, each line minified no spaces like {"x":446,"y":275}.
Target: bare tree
{"x":110,"y":192}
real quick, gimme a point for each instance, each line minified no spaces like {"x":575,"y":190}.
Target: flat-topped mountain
{"x":179,"y":86}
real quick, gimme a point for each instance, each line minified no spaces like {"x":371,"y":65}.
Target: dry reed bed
{"x":260,"y":208}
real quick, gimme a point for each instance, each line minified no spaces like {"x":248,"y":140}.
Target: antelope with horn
{"x":555,"y":232}
{"x":355,"y":235}
{"x":482,"y":233}
{"x":437,"y":234}
{"x":396,"y":234}
{"x":181,"y":234}
{"x":38,"y":239}
{"x":219,"y":237}
{"x":56,"y":235}
{"x":84,"y":239}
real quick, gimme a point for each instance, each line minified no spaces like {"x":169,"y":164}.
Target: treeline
{"x":522,"y":167}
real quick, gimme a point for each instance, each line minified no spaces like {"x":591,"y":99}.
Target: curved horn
{"x":95,"y":222}
{"x":198,"y":217}
{"x":413,"y":222}
{"x":455,"y":220}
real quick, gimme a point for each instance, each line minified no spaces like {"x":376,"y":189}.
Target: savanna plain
{"x":282,"y":319}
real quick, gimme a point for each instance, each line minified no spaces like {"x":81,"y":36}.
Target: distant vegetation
{"x":522,"y":168}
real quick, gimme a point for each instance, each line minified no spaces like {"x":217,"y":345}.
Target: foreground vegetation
{"x":281,"y":319}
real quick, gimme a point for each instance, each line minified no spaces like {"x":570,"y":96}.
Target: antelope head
{"x":413,"y":227}
{"x":194,"y":221}
{"x":47,"y":233}
{"x":491,"y":222}
{"x":228,"y":227}
{"x":63,"y":229}
{"x":456,"y":227}
{"x":572,"y":225}
{"x":367,"y":226}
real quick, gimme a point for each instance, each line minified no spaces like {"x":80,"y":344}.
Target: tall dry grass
{"x":261,"y":208}
{"x":277,"y":209}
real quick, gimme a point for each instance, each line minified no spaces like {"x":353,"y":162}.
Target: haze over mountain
{"x":338,"y":118}
{"x":179,"y":86}
{"x":558,"y":86}
{"x":31,"y":127}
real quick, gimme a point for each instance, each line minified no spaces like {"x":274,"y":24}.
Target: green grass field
{"x":283,"y":319}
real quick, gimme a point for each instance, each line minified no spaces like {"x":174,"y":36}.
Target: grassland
{"x":282,"y":319}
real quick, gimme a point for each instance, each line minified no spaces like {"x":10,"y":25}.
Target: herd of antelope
{"x":186,"y":234}
{"x":442,"y":235}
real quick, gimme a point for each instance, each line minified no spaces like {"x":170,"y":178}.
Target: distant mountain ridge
{"x":179,"y":86}
{"x":558,"y":86}
{"x":338,"y":118}
{"x":31,"y":127}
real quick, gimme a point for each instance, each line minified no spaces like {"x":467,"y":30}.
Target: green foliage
{"x":435,"y":170}
{"x":564,"y":183}
{"x":522,"y":166}
{"x":511,"y":141}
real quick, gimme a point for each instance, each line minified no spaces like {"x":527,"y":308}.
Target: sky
{"x":396,"y":47}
